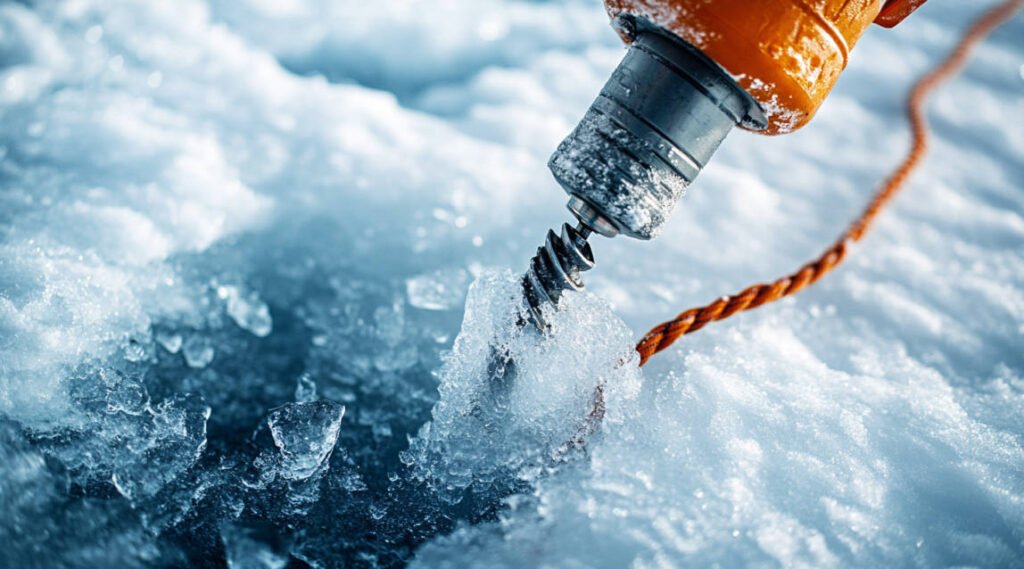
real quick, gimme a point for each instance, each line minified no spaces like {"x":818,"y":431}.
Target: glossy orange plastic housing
{"x":787,"y":54}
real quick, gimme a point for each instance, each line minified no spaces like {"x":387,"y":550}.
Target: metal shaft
{"x":655,"y":124}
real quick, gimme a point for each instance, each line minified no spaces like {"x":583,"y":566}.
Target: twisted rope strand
{"x":665,"y":334}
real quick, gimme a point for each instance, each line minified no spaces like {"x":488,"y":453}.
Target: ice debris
{"x":198,"y":351}
{"x":155,"y":442}
{"x":305,"y":434}
{"x":305,"y":389}
{"x":514,"y":400}
{"x":247,"y":310}
{"x":253,"y":547}
{"x":443,"y":289}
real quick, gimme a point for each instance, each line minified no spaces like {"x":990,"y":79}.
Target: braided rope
{"x":665,"y":334}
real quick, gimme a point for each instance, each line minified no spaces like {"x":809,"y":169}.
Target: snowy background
{"x":236,"y":240}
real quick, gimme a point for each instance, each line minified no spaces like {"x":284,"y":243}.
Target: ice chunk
{"x":171,"y":342}
{"x":122,"y":437}
{"x":295,"y":443}
{"x":174,"y":437}
{"x":247,"y":310}
{"x":305,"y":434}
{"x":513,"y":399}
{"x":305,"y":389}
{"x":198,"y":351}
{"x":253,"y":547}
{"x":439,"y":290}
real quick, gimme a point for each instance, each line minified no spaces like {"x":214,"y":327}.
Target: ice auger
{"x":694,"y":70}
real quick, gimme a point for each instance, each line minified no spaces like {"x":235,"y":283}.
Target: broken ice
{"x":247,"y":310}
{"x":253,"y":547}
{"x":170,"y":342}
{"x":198,"y":351}
{"x":305,"y":434}
{"x":440,"y":290}
{"x":305,"y":389}
{"x":513,"y":398}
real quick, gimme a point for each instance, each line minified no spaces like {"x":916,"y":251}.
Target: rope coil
{"x":665,"y":334}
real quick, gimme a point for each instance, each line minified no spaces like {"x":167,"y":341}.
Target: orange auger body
{"x":787,"y":54}
{"x":665,"y":334}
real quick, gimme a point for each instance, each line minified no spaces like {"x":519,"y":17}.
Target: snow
{"x":237,"y":324}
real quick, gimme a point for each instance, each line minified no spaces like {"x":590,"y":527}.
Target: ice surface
{"x":222,"y":223}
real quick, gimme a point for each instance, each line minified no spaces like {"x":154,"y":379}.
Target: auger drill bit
{"x":556,"y":268}
{"x":651,"y":130}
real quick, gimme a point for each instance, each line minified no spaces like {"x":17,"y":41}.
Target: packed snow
{"x":259,"y":305}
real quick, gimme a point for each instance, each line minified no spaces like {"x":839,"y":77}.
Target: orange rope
{"x":664,"y":334}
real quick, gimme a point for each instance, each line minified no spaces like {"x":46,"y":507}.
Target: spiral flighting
{"x":556,"y":268}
